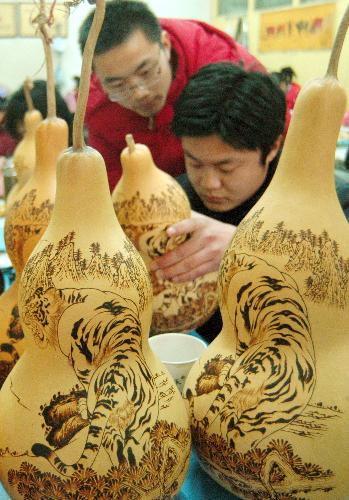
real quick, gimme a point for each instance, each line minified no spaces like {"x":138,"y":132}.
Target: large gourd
{"x":147,"y":201}
{"x":28,"y":216}
{"x":105,"y":419}
{"x":269,"y":400}
{"x":24,"y":154}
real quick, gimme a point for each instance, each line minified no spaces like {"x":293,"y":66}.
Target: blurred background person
{"x":290,"y":88}
{"x":72,"y":96}
{"x":7,"y":141}
{"x":17,"y":107}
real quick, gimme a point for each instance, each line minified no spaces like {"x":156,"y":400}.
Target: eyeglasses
{"x":146,"y":78}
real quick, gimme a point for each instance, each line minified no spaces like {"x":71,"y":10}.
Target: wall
{"x":307,"y":63}
{"x":29,"y":52}
{"x":190,"y":9}
{"x":29,"y":56}
{"x":30,"y":59}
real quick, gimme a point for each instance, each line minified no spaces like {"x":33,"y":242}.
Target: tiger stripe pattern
{"x":272,"y":376}
{"x":106,"y":354}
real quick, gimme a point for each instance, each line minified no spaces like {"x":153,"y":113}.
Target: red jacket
{"x":291,"y":97}
{"x":7,"y":143}
{"x":292,"y":94}
{"x":196,"y":44}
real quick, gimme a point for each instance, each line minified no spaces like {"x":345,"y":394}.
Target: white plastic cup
{"x":178,"y":352}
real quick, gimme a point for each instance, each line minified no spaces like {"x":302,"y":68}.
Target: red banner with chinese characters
{"x":297,"y":29}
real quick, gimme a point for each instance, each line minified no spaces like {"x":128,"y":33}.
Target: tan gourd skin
{"x":51,"y":355}
{"x":105,"y":415}
{"x":282,"y":374}
{"x":147,"y":201}
{"x":24,"y":154}
{"x":26,"y":220}
{"x":51,"y":139}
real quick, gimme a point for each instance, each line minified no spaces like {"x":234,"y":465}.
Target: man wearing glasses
{"x":141,"y":65}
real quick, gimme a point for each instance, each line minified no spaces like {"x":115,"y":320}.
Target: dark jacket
{"x":342,"y":187}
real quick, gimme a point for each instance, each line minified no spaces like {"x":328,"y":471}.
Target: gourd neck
{"x":51,"y":138}
{"x":30,"y":134}
{"x":82,"y":193}
{"x":307,"y":161}
{"x":139,"y":173}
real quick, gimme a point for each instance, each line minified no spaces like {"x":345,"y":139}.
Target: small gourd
{"x":147,"y":201}
{"x":24,"y":154}
{"x":105,"y":416}
{"x":269,"y":399}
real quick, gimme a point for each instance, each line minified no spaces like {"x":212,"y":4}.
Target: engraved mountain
{"x":56,"y":263}
{"x":24,"y":222}
{"x":327,"y":279}
{"x":157,"y":208}
{"x":65,"y":265}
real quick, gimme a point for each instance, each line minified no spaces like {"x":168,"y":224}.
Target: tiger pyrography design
{"x":274,"y":364}
{"x":259,"y":389}
{"x":121,"y":401}
{"x":104,"y":400}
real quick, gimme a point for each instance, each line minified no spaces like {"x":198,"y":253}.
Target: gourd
{"x":28,"y":216}
{"x":147,"y":201}
{"x":105,"y":415}
{"x":269,"y":399}
{"x":24,"y":154}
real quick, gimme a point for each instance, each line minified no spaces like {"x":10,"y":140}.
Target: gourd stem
{"x":50,"y":83}
{"x":78,"y":124}
{"x":338,"y":44}
{"x":27,"y":86}
{"x":130,"y":143}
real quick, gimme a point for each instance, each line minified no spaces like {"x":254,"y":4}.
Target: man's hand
{"x":200,"y":254}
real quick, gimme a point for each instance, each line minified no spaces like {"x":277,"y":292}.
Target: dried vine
{"x":43,"y":21}
{"x":332,"y":68}
{"x":78,"y":124}
{"x":130,"y":143}
{"x":27,"y":86}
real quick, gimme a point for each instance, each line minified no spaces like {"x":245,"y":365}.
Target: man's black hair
{"x":246,"y":110}
{"x":122,"y":18}
{"x":17,"y":107}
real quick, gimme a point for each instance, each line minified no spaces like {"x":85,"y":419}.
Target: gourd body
{"x":24,"y":155}
{"x":105,"y":415}
{"x":26,"y":220}
{"x":11,"y":331}
{"x":147,"y":201}
{"x":28,"y":217}
{"x":269,"y":400}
